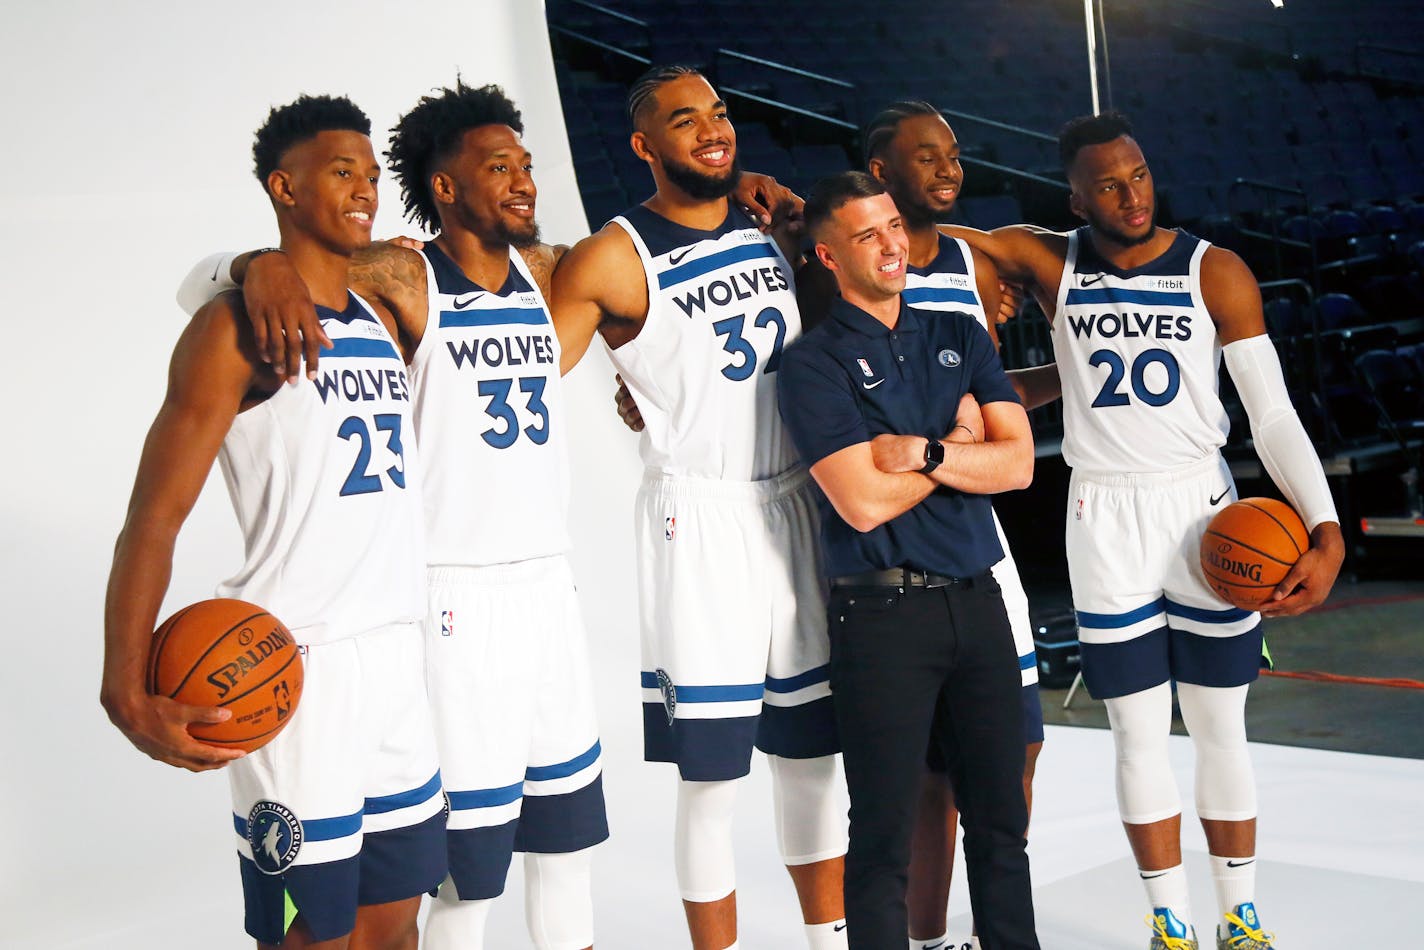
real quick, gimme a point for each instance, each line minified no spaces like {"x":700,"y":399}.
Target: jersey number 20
{"x":1109,"y":395}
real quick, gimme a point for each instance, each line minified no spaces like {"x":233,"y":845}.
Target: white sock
{"x":1168,"y":889}
{"x":1235,"y":880}
{"x":828,"y":936}
{"x":454,"y":924}
{"x":931,"y":943}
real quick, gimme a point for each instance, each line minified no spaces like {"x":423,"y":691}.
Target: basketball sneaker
{"x":1169,"y":933}
{"x":1243,"y":931}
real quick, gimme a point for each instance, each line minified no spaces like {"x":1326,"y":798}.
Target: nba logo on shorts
{"x":447,"y":623}
{"x":1079,"y":513}
{"x":669,"y":527}
{"x":865,"y":368}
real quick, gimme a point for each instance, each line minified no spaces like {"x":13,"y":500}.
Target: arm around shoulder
{"x":598,"y":281}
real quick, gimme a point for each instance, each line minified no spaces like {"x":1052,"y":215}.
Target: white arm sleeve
{"x":208,"y":278}
{"x":1281,"y":441}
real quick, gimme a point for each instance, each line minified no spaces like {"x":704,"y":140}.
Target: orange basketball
{"x":232,"y":654}
{"x":1248,"y":548}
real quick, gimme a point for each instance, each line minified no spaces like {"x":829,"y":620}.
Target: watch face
{"x":934,"y":452}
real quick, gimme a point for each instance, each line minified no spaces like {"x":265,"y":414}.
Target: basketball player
{"x":696,"y":304}
{"x":507,"y":654}
{"x":1141,"y":318}
{"x":340,"y":819}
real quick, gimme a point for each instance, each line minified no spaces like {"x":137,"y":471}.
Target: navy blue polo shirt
{"x":851,"y":379}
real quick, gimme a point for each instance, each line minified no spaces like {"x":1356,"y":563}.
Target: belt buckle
{"x":916,"y":578}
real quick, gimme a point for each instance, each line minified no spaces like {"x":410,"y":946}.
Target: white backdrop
{"x":127,"y":157}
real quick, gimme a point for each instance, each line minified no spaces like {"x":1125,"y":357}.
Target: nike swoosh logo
{"x":932,"y":946}
{"x":1148,"y":877}
{"x":839,"y":927}
{"x":462,"y":302}
{"x":677,"y":256}
{"x":1085,"y":282}
{"x":873,"y":385}
{"x":1239,"y":864}
{"x":1217,"y":500}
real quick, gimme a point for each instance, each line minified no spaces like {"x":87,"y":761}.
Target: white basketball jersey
{"x":324,"y":479}
{"x":946,"y":283}
{"x":1138,"y":355}
{"x":489,"y":398}
{"x":721,"y":308}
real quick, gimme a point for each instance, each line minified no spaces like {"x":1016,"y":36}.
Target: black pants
{"x":894,"y":656}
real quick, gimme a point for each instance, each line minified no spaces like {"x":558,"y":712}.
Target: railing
{"x":1414,"y":57}
{"x":615,"y":16}
{"x":1272,"y":191}
{"x":1316,"y":393}
{"x":725,"y":86}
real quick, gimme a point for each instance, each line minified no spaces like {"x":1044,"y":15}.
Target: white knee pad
{"x":810,"y":816}
{"x":1216,"y":719}
{"x":1141,"y":723}
{"x":558,"y":900}
{"x":702,"y":840}
{"x":454,"y":924}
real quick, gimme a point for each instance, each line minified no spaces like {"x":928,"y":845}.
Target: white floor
{"x":1340,"y":841}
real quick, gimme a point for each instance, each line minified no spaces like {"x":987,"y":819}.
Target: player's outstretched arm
{"x":1022,"y":253}
{"x":207,"y":379}
{"x":1234,"y":301}
{"x":598,"y":286}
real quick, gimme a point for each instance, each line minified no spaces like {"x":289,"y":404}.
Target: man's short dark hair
{"x":430,"y":133}
{"x":1088,"y":130}
{"x":883,"y":127}
{"x":831,"y":193}
{"x":301,"y":120}
{"x":640,"y":94}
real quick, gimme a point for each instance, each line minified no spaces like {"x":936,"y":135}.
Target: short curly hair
{"x":430,"y":133}
{"x":301,"y":120}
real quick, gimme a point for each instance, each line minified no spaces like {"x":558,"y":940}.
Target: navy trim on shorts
{"x":403,"y":862}
{"x":805,"y":731}
{"x":705,"y":750}
{"x":1111,"y":670}
{"x":324,"y":895}
{"x":479,"y":859}
{"x":1032,"y":714}
{"x":562,"y":824}
{"x":1217,"y":661}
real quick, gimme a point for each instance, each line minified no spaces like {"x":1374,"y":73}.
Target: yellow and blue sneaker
{"x":1169,"y":933}
{"x":1243,"y":931}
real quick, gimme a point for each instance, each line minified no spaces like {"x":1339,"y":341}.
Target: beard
{"x":701,"y":186}
{"x":522,"y":238}
{"x":1126,"y":240}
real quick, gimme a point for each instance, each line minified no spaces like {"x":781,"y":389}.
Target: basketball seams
{"x":155,"y":649}
{"x":217,"y":642}
{"x":1249,"y":503}
{"x":1242,"y":544}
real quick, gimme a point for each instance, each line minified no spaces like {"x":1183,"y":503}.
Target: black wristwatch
{"x":934,"y":455}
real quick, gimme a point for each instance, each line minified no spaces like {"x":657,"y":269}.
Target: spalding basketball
{"x":1249,"y":547}
{"x":232,"y":654}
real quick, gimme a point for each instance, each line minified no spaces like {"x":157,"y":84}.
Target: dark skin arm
{"x":215,"y":372}
{"x":598,"y":287}
{"x":1233,"y":299}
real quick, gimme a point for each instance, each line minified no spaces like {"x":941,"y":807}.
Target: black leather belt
{"x":903,"y":577}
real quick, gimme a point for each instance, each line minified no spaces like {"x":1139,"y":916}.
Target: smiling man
{"x":340,"y":820}
{"x":888,"y":404}
{"x":696,"y":305}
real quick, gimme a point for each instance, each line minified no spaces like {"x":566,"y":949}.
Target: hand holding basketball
{"x":232,"y":655}
{"x":159,"y":728}
{"x":1257,"y":555}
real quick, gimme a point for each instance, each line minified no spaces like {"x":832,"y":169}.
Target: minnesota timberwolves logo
{"x":948,"y":358}
{"x":669,"y":692}
{"x":274,"y":835}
